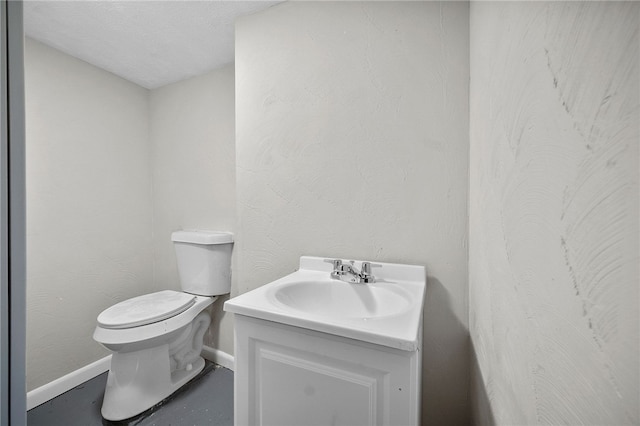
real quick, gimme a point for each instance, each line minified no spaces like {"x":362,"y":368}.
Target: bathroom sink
{"x":338,"y":299}
{"x":386,"y":312}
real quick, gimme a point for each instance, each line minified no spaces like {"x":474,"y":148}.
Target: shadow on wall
{"x":480,"y":405}
{"x":445,"y":360}
{"x":216,"y":312}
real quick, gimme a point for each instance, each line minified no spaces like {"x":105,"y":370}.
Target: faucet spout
{"x":351,"y":268}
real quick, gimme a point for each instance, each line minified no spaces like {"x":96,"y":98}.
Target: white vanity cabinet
{"x":314,"y":350}
{"x":292,"y":376}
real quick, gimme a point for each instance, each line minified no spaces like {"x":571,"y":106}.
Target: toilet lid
{"x":146,"y":309}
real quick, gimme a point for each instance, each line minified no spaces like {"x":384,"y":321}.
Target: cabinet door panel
{"x":294,"y":385}
{"x":292,"y":376}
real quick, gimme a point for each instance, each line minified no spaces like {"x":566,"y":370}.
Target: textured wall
{"x":554,"y":212}
{"x":192,"y":126}
{"x":88,"y":206}
{"x":352,"y":141}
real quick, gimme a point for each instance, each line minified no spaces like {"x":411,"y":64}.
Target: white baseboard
{"x":66,"y":383}
{"x":219,"y":357}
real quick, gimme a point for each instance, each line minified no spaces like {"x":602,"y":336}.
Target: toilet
{"x":156,"y":339}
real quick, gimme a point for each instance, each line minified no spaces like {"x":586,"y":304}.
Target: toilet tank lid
{"x":202,"y":237}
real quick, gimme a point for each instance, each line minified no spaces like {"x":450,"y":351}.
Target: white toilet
{"x":157,"y":338}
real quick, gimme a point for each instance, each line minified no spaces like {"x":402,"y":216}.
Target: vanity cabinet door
{"x":292,"y":376}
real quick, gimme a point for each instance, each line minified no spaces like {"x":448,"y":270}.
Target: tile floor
{"x":206,"y":400}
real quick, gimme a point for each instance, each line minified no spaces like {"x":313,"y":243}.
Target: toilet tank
{"x":204,"y":261}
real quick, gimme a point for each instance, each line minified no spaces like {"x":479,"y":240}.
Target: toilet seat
{"x":145,"y":309}
{"x":114,"y":337}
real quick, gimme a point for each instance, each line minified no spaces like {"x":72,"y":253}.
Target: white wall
{"x":88,"y":206}
{"x":352,"y":141}
{"x":193,"y":162}
{"x":554,"y":212}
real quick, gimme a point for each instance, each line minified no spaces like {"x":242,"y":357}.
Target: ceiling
{"x":151,"y":43}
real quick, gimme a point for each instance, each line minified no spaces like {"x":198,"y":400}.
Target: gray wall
{"x":88,"y":205}
{"x":352,"y":141}
{"x":554,"y":212}
{"x":112,"y":170}
{"x":193,"y":165}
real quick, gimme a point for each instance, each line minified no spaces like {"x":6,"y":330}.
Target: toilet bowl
{"x":156,"y":339}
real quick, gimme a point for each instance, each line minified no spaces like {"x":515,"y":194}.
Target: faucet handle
{"x":338,"y":268}
{"x":337,"y":264}
{"x":366,"y":271}
{"x":366,"y":267}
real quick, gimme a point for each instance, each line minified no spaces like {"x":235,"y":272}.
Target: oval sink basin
{"x":333,"y":298}
{"x":387,"y":312}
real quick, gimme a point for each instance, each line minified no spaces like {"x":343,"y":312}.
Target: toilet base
{"x":135,"y":382}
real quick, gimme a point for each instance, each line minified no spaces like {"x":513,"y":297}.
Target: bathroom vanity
{"x":313,"y":348}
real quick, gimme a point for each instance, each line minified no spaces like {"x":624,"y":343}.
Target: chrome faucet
{"x":365,"y":275}
{"x":350,"y":274}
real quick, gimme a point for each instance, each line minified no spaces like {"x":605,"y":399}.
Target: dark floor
{"x":206,"y":400}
